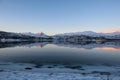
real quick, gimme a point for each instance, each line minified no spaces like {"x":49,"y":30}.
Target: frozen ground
{"x":22,"y":71}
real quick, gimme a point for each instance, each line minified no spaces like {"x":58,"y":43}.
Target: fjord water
{"x":61,"y":53}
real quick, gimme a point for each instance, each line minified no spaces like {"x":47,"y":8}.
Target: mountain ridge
{"x":89,"y":33}
{"x":85,"y":33}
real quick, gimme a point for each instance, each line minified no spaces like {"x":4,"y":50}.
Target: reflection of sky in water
{"x":53,"y":53}
{"x":109,"y":49}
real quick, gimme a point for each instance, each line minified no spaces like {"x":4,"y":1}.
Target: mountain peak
{"x":39,"y":34}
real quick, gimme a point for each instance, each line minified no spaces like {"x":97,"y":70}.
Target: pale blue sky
{"x":59,"y":16}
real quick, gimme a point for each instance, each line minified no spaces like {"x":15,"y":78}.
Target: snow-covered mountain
{"x":18,"y":37}
{"x":114,"y":35}
{"x":91,"y":34}
{"x":41,"y":34}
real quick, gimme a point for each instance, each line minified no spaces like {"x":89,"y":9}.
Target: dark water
{"x":107,"y":53}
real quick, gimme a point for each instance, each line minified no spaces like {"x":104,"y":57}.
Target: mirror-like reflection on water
{"x":107,"y":53}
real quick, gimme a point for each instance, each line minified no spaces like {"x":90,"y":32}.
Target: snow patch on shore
{"x":23,"y":71}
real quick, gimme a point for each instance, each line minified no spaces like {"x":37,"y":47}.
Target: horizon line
{"x":104,"y":31}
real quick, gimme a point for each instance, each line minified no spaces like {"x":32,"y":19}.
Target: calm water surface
{"x":61,"y":53}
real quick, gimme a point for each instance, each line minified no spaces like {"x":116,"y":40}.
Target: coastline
{"x":25,"y":71}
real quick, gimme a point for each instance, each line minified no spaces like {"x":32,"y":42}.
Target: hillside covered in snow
{"x":17,"y":37}
{"x":114,"y":35}
{"x":68,"y":37}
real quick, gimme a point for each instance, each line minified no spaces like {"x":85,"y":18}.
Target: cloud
{"x":111,"y":31}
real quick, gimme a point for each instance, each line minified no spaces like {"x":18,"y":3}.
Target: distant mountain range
{"x":92,"y":34}
{"x":89,"y":33}
{"x":17,"y":37}
{"x":72,"y":37}
{"x":3,"y":33}
{"x":41,"y":34}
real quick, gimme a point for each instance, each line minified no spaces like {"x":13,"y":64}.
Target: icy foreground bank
{"x":21,"y":71}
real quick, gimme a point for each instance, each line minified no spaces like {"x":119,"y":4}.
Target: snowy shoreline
{"x":24,"y":71}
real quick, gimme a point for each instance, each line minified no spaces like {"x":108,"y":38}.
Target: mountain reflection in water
{"x":61,"y":52}
{"x":113,"y":46}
